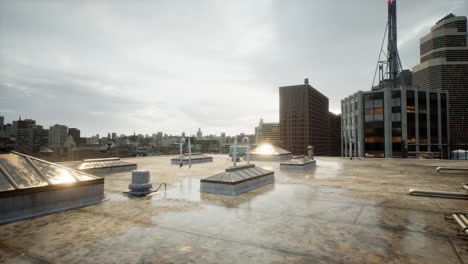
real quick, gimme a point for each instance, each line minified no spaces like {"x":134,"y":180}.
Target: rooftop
{"x":343,"y":211}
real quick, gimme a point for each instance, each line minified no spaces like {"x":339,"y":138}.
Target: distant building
{"x":395,"y":122}
{"x":19,"y":122}
{"x":396,"y":119}
{"x":305,"y":120}
{"x":444,"y":65}
{"x":75,"y":133}
{"x":268,"y":133}
{"x":57,"y":136}
{"x":2,"y":121}
{"x":30,"y":138}
{"x":199,"y":134}
{"x":94,"y":140}
{"x":334,"y":128}
{"x":159,"y":136}
{"x":114,"y":136}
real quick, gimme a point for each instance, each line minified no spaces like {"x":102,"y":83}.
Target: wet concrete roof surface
{"x":343,"y":211}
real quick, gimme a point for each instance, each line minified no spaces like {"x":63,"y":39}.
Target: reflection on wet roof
{"x":19,"y":171}
{"x":341,"y":212}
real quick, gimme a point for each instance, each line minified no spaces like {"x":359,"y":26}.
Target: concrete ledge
{"x":34,"y":204}
{"x":238,"y":188}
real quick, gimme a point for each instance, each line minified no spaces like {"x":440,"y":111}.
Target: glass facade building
{"x":395,"y":123}
{"x":444,"y":66}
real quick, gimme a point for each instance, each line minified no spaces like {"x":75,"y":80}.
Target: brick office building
{"x":305,"y":120}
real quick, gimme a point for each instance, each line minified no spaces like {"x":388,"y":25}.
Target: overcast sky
{"x":173,"y":66}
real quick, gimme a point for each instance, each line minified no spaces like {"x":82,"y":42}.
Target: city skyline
{"x":175,"y":67}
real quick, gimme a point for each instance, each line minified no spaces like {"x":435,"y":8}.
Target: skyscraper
{"x":30,"y":137}
{"x":199,"y":134}
{"x":75,"y":133}
{"x":395,"y":119}
{"x":444,"y":65}
{"x":305,"y":120}
{"x":57,"y":136}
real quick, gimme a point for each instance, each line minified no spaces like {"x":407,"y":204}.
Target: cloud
{"x":176,"y":66}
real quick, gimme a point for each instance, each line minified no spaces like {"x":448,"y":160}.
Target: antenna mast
{"x":389,"y":68}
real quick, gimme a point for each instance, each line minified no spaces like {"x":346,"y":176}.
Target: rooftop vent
{"x":298,"y":163}
{"x":236,"y":180}
{"x":141,"y":185}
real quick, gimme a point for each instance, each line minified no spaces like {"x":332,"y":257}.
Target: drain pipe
{"x":234,"y":155}
{"x":462,"y":222}
{"x":441,"y":194}
{"x":247,"y":140}
{"x":190,"y":152}
{"x":450,"y":169}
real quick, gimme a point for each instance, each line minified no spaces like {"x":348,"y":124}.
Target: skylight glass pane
{"x":82,"y":177}
{"x":4,"y":184}
{"x":53,"y":173}
{"x":243,"y":174}
{"x":22,"y":173}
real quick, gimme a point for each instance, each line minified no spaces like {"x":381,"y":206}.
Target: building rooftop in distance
{"x":343,"y":211}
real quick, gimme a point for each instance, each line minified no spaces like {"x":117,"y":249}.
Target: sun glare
{"x":64,"y":177}
{"x":265,"y":149}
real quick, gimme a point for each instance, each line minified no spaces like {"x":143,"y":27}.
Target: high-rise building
{"x":305,"y":120}
{"x":334,"y":128}
{"x":2,"y":121}
{"x":399,"y":122}
{"x":30,"y":137}
{"x":268,"y":133}
{"x":57,"y":136}
{"x":199,"y":134}
{"x":23,"y":123}
{"x":159,"y":136}
{"x":395,"y":119}
{"x":444,"y":65}
{"x":75,"y":133}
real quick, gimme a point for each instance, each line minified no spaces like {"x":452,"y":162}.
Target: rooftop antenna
{"x":181,"y":145}
{"x":190,"y":153}
{"x":234,"y":155}
{"x":390,"y":67}
{"x":247,"y":140}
